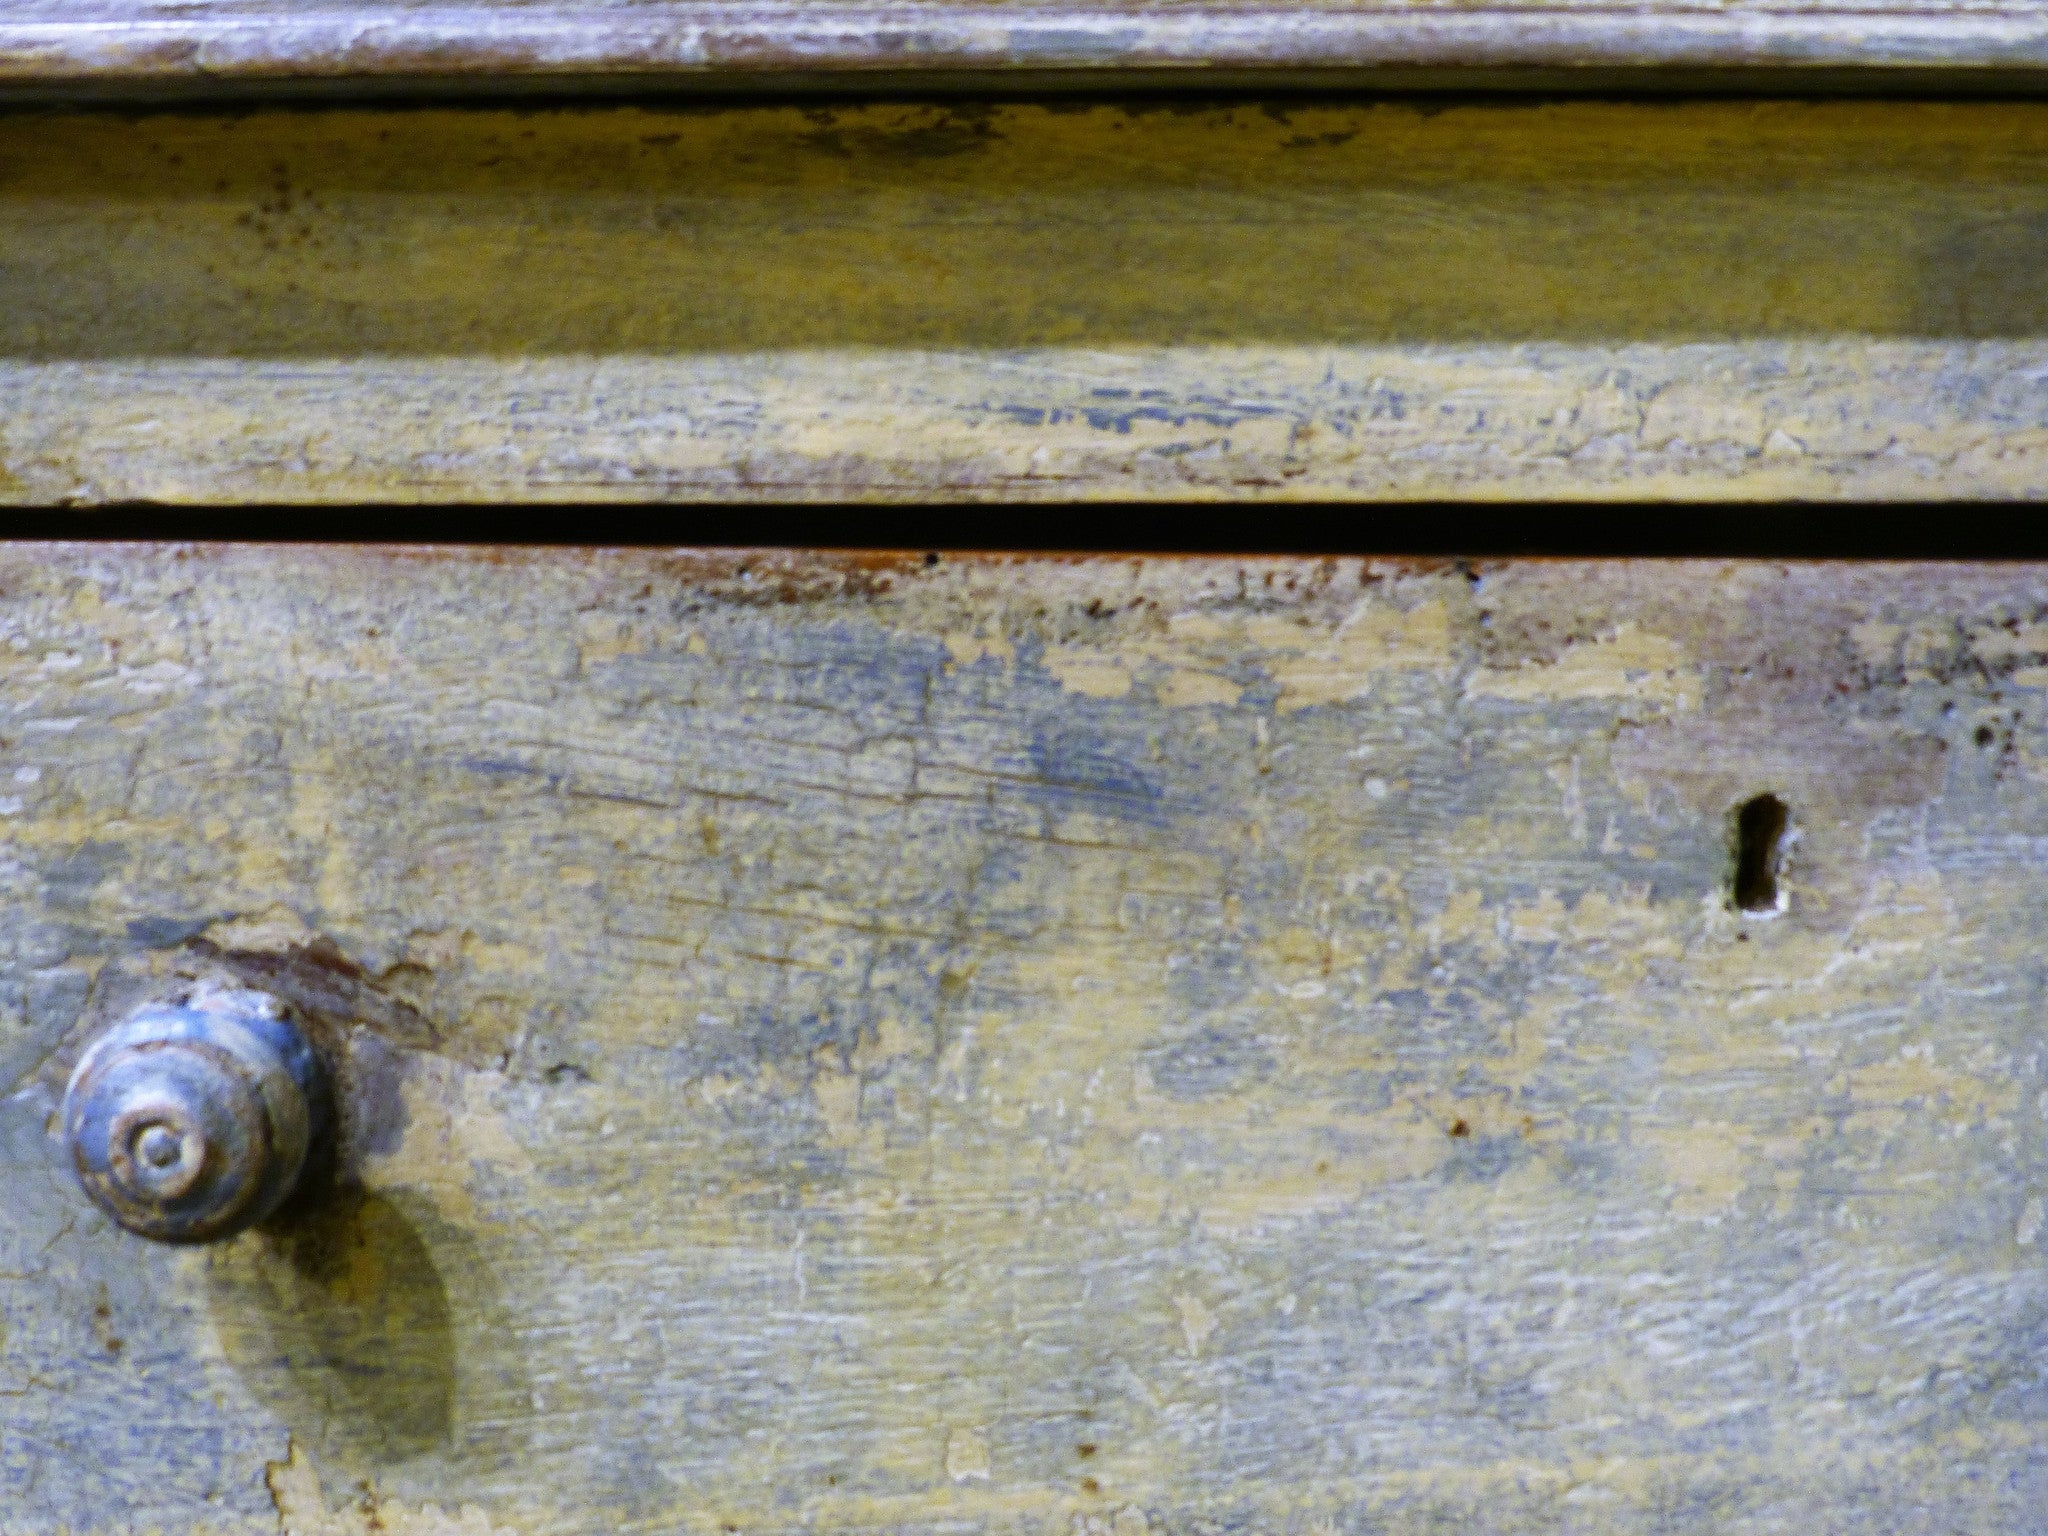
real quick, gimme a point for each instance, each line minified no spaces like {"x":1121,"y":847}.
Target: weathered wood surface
{"x":1713,"y":300}
{"x":211,"y":44}
{"x":1088,"y":1046}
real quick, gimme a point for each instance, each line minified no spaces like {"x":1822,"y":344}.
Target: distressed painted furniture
{"x":794,"y":1044}
{"x":1053,"y":301}
{"x":1093,"y":1045}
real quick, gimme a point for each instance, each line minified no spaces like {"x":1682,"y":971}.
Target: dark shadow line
{"x":1180,"y":86}
{"x":1897,"y":531}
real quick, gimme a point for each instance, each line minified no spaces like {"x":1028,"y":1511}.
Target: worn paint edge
{"x":1849,"y":419}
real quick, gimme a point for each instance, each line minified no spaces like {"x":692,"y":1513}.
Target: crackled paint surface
{"x":1087,"y":1046}
{"x":1060,"y":301}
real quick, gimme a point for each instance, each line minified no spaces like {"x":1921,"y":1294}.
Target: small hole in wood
{"x":1759,"y":848}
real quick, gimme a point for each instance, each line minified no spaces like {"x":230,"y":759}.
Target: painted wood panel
{"x":1092,"y":1046}
{"x":942,"y":303}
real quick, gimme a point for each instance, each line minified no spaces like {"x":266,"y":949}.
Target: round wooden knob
{"x":191,"y":1121}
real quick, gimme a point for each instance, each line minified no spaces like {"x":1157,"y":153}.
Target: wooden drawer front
{"x":1016,"y":1045}
{"x":1056,"y":301}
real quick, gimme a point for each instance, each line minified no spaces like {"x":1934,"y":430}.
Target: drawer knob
{"x":190,"y":1121}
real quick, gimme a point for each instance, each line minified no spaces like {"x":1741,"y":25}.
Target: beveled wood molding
{"x":929,"y":302}
{"x":224,"y":45}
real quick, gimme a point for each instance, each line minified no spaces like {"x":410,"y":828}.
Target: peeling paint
{"x":826,"y":1071}
{"x":1753,"y":300}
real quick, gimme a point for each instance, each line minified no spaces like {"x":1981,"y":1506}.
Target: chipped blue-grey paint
{"x":1008,"y":1045}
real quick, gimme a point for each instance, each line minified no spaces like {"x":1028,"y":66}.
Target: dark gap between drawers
{"x":1917,"y":531}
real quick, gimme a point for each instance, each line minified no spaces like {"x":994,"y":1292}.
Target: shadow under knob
{"x":190,"y":1121}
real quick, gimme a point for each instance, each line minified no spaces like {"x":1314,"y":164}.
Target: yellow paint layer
{"x":1714,"y":299}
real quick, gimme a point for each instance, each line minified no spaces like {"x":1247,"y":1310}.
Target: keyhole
{"x":1759,"y":842}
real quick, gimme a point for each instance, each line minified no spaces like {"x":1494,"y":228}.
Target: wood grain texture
{"x":1095,"y":1046}
{"x":217,"y":44}
{"x":1714,"y":300}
